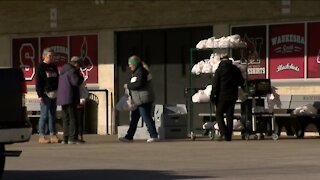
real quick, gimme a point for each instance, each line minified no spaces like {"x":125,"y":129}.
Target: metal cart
{"x":194,"y":57}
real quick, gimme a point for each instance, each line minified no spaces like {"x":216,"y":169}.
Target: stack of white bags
{"x":202,"y":95}
{"x":207,"y":65}
{"x":233,"y":41}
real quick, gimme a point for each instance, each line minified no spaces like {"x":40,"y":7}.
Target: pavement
{"x":104,"y":157}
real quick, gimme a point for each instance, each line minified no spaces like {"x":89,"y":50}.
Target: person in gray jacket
{"x":68,"y":97}
{"x":142,"y":94}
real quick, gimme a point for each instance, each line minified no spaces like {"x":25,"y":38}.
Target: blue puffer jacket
{"x":68,"y":88}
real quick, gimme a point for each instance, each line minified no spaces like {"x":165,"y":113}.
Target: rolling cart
{"x":258,"y":121}
{"x":203,"y":79}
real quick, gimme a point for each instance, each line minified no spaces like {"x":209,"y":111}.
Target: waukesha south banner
{"x":27,"y":53}
{"x":286,"y":50}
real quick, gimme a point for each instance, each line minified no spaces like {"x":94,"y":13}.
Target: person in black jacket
{"x":224,"y":94}
{"x":47,"y":77}
{"x":142,"y":94}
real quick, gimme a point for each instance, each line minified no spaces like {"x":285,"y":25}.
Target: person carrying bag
{"x":141,"y":91}
{"x":126,"y":103}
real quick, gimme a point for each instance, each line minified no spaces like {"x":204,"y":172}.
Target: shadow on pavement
{"x":96,"y":174}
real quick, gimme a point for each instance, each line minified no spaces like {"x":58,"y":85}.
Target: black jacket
{"x":140,"y":86}
{"x":226,"y":81}
{"x":47,"y":77}
{"x":141,"y":75}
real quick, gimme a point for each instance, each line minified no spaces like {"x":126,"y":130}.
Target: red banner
{"x":255,"y":53}
{"x":286,"y":51}
{"x":25,"y":54}
{"x":313,"y":50}
{"x":60,"y":47}
{"x":86,"y":47}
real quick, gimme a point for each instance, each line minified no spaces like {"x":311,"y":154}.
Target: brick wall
{"x":21,"y":17}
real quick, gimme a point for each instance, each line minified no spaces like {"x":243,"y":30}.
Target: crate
{"x":171,"y":121}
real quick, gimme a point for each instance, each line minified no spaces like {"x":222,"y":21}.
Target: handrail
{"x":107,"y":104}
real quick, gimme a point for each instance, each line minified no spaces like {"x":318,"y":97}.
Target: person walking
{"x":47,"y":77}
{"x":68,"y":97}
{"x":141,"y":90}
{"x":224,"y":94}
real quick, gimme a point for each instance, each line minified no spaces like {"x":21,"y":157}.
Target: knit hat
{"x":75,"y":59}
{"x":224,"y":57}
{"x":135,"y":60}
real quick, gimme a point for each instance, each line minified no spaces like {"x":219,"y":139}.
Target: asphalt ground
{"x":104,"y":157}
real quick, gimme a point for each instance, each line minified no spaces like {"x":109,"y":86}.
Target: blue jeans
{"x":48,"y":109}
{"x":143,"y":110}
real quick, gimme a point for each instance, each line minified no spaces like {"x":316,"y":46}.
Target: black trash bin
{"x":91,"y":114}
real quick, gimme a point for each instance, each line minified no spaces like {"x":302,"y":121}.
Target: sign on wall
{"x":313,"y":60}
{"x":25,"y":55}
{"x":60,"y":47}
{"x":255,"y":53}
{"x":286,"y":51}
{"x":86,"y":47}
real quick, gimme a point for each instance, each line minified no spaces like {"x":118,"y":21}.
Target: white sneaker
{"x":150,"y":140}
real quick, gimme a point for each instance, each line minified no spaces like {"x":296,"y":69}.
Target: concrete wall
{"x":106,"y":77}
{"x":5,"y":50}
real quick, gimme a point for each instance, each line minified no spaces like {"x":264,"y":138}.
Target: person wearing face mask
{"x":141,"y":91}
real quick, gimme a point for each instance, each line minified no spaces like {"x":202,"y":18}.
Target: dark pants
{"x":226,"y":107}
{"x":143,"y":110}
{"x":69,"y":122}
{"x":80,"y":121}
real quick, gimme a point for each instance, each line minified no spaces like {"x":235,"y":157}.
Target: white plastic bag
{"x":306,"y":109}
{"x":202,"y":95}
{"x":201,"y":44}
{"x":209,"y":125}
{"x":126,"y":103}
